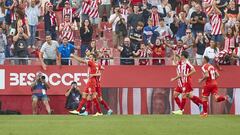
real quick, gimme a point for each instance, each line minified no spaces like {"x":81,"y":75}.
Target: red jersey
{"x":211,"y":72}
{"x":216,"y":23}
{"x":184,"y":68}
{"x":92,"y":68}
{"x":99,"y":68}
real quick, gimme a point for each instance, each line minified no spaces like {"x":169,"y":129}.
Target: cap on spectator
{"x":67,"y":2}
{"x":154,"y":6}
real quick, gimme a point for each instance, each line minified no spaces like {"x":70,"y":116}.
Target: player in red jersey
{"x":99,"y":90}
{"x":90,"y":89}
{"x":210,"y":75}
{"x":184,"y":72}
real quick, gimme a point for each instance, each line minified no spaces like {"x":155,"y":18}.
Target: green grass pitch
{"x":119,"y":125}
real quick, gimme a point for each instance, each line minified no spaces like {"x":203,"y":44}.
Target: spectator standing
{"x":164,"y":30}
{"x":20,"y":45}
{"x":211,"y":51}
{"x":198,"y":20}
{"x":154,"y":15}
{"x":114,"y":18}
{"x":48,"y":52}
{"x":201,"y":43}
{"x":134,"y":17}
{"x":64,"y":51}
{"x":32,"y":13}
{"x":158,"y":52}
{"x":182,"y":26}
{"x":143,"y":54}
{"x":3,"y":44}
{"x":66,"y":29}
{"x":67,"y":10}
{"x":2,"y":12}
{"x":86,"y":32}
{"x":189,"y":40}
{"x":149,"y":33}
{"x":105,"y":5}
{"x":126,"y":53}
{"x":216,"y":23}
{"x":50,"y":21}
{"x":229,"y":40}
{"x":121,"y":30}
{"x":136,"y":36}
{"x":231,"y":14}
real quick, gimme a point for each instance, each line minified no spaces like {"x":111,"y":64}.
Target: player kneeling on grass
{"x":90,"y":89}
{"x":184,"y":73}
{"x":210,"y":76}
{"x":39,"y":88}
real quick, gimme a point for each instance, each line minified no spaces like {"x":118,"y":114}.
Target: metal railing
{"x":110,"y":61}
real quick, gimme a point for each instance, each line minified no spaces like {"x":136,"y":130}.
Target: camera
{"x":43,"y":77}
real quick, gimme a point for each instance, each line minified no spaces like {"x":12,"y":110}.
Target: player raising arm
{"x":90,"y":88}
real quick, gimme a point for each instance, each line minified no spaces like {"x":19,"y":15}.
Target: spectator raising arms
{"x":126,"y":53}
{"x":66,"y":28}
{"x":32,"y":12}
{"x":50,"y":21}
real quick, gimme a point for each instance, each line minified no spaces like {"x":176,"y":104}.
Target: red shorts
{"x":210,"y":89}
{"x":90,"y":87}
{"x":185,"y":89}
{"x":99,"y":91}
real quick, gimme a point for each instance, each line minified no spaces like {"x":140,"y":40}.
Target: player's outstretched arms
{"x":80,"y":60}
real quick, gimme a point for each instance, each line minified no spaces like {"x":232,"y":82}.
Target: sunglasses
{"x":188,"y":32}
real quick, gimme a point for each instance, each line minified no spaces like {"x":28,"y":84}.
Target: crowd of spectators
{"x":144,"y":32}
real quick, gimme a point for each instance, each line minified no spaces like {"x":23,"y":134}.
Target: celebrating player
{"x":210,"y":75}
{"x":184,"y":72}
{"x":90,"y":89}
{"x":99,"y":90}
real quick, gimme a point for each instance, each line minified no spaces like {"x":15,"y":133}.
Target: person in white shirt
{"x":211,"y":51}
{"x":3,"y":43}
{"x":32,"y":12}
{"x":114,"y":18}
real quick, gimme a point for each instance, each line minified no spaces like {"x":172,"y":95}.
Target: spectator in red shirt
{"x":144,"y":53}
{"x":158,"y":51}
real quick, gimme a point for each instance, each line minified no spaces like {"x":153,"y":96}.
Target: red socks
{"x":97,"y":105}
{"x":221,"y":98}
{"x":183,"y":103}
{"x":205,"y":106}
{"x":104,"y":104}
{"x":83,"y":101}
{"x":88,"y":106}
{"x":196,"y":100}
{"x":178,"y":102}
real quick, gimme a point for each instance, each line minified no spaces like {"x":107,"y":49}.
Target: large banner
{"x":16,"y":80}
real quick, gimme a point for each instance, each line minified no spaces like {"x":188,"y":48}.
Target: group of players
{"x":184,"y":72}
{"x":92,"y":91}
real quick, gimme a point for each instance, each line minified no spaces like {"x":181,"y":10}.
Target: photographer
{"x":39,"y":88}
{"x":73,"y":97}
